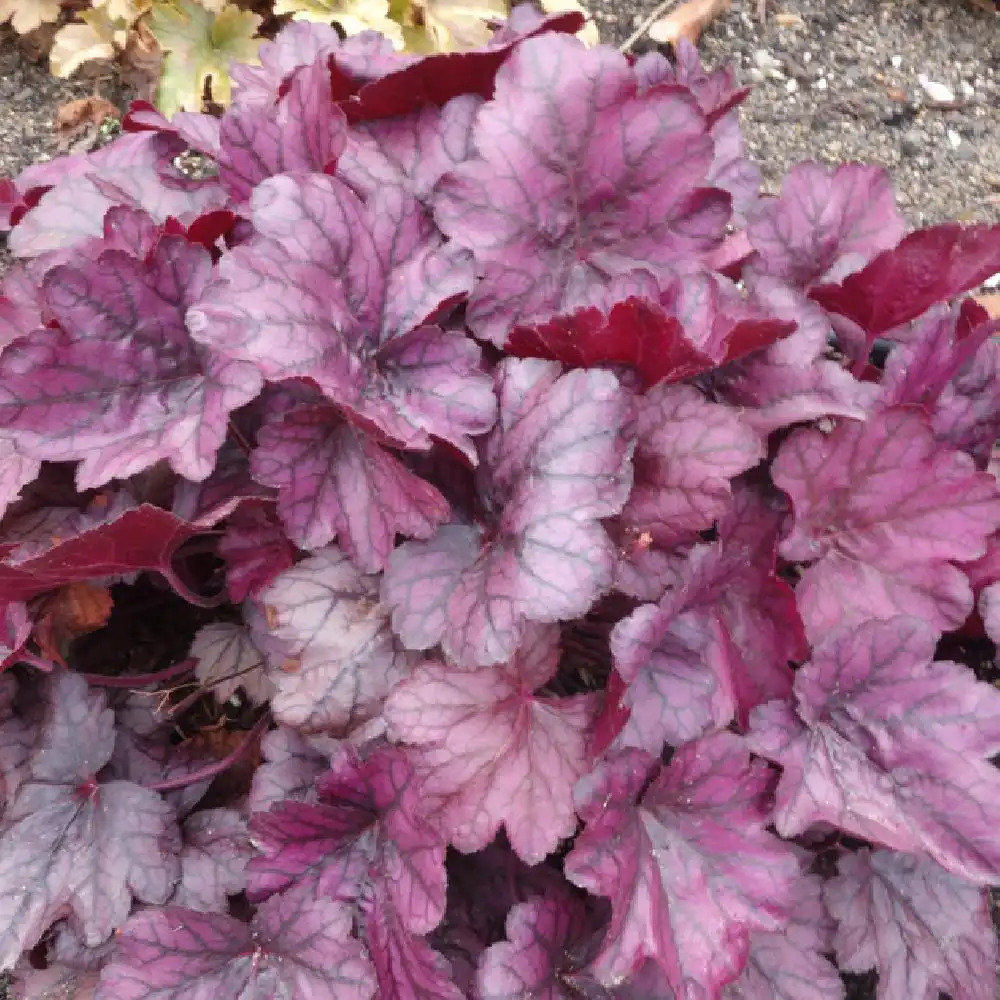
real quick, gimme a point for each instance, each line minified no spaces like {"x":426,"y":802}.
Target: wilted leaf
{"x":76,"y":609}
{"x":199,"y":46}
{"x":687,"y":21}
{"x":27,"y":16}
{"x":75,"y":44}
{"x":353,"y":16}
{"x":76,"y":115}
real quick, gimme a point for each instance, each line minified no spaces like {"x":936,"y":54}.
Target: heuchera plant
{"x":605,"y":553}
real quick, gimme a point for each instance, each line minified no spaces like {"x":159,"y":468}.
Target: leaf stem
{"x":141,"y":680}
{"x":212,"y":770}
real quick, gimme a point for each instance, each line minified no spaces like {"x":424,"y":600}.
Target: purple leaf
{"x":489,"y":752}
{"x":880,"y":510}
{"x":120,"y":385}
{"x":213,"y":860}
{"x":15,"y":630}
{"x":70,"y":842}
{"x":772,"y":396}
{"x":228,"y":660}
{"x":675,"y":666}
{"x":334,"y":481}
{"x":542,"y":937}
{"x":558,"y":461}
{"x":339,"y":291}
{"x":17,"y":741}
{"x":299,"y":43}
{"x":888,"y":745}
{"x":303,"y":132}
{"x":687,"y":864}
{"x":368,"y":825}
{"x":791,"y":965}
{"x":551,"y":209}
{"x":686,"y":452}
{"x":406,"y":966}
{"x":825,"y":225}
{"x":289,"y":770}
{"x":925,"y":931}
{"x":331,"y":655}
{"x":413,"y":151}
{"x":136,"y":170}
{"x":298,"y":944}
{"x":722,"y":636}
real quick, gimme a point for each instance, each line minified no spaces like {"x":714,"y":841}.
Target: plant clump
{"x":467,"y":543}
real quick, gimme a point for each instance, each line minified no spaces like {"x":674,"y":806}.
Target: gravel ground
{"x":835,"y":80}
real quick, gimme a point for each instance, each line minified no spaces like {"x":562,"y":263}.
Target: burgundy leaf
{"x":70,"y":842}
{"x":298,"y":944}
{"x":213,"y":860}
{"x":490,"y":752}
{"x":228,"y":660}
{"x":880,"y":510}
{"x":331,"y":655}
{"x":635,"y":332}
{"x":334,"y":481}
{"x":686,"y":452}
{"x":120,"y":385}
{"x":401,"y":84}
{"x":551,"y":209}
{"x":924,"y":930}
{"x":368,"y":824}
{"x":928,"y":266}
{"x":888,"y":745}
{"x":255,"y":549}
{"x":558,"y":461}
{"x":674,"y":858}
{"x":825,"y":225}
{"x":59,"y":546}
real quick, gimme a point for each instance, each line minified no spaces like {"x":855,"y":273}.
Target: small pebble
{"x":939,"y":93}
{"x":954,"y":139}
{"x":911,"y":143}
{"x":968,"y":91}
{"x":791,"y":86}
{"x":820,"y":84}
{"x":896,"y":61}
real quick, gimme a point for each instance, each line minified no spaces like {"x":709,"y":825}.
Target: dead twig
{"x":658,"y":12}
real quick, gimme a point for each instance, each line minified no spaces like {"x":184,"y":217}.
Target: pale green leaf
{"x":199,"y":45}
{"x":353,"y":16}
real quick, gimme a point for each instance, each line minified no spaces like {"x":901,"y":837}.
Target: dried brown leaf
{"x":687,"y":21}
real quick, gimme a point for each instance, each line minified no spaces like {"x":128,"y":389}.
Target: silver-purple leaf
{"x":228,"y":660}
{"x":557,"y":462}
{"x":331,"y":654}
{"x":71,"y":843}
{"x":298,"y":944}
{"x":489,"y":752}
{"x":924,"y":930}
{"x":578,"y":178}
{"x":213,"y":860}
{"x":335,"y":481}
